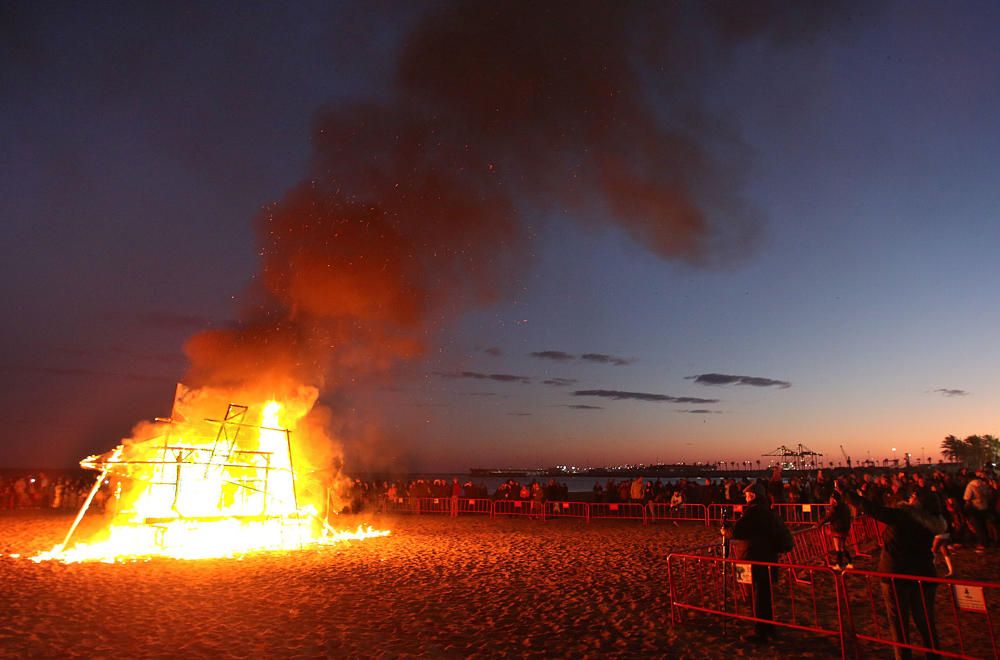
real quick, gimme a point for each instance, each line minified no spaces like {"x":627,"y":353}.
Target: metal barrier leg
{"x":848,"y":638}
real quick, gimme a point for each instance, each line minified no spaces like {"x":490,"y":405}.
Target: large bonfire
{"x":192,"y":486}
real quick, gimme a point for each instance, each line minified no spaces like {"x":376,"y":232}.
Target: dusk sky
{"x":575,"y":232}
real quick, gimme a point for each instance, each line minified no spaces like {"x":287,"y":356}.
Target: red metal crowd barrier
{"x":568,"y":510}
{"x":526,"y":508}
{"x":801,"y":514}
{"x":474,"y":505}
{"x":814,"y":543}
{"x":953,"y":618}
{"x":727,"y":588}
{"x":665,"y":511}
{"x":651,"y":512}
{"x":617,"y":511}
{"x":522,"y":508}
{"x":717,"y":511}
{"x":792,"y":514}
{"x":866,"y":534}
{"x":866,"y":611}
{"x":810,"y":546}
{"x":434,"y":505}
{"x":399,"y":505}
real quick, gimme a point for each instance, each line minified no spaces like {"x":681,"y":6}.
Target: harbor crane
{"x":800,"y":458}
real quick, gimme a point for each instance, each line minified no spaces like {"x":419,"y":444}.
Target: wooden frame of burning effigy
{"x":185,"y":478}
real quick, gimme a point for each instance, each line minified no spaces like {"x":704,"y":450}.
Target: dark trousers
{"x":908,"y":600}
{"x":978,"y":519}
{"x":762,"y":606}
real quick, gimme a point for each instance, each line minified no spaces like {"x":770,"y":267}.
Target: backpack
{"x":783,"y":541}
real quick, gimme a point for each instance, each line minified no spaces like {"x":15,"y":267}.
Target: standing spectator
{"x":636,"y":489}
{"x":977,"y":505}
{"x":775,"y":486}
{"x":839,"y":519}
{"x":708,"y":494}
{"x":456,"y":492}
{"x":907,"y":542}
{"x":537,"y":498}
{"x":21,"y":492}
{"x":756,"y":528}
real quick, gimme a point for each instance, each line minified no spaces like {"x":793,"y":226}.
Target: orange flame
{"x":215,"y":488}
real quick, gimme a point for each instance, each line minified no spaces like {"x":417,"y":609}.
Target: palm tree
{"x":991,"y":446}
{"x":975,"y":450}
{"x":953,"y":449}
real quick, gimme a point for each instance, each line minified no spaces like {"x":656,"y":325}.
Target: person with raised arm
{"x":907,"y":542}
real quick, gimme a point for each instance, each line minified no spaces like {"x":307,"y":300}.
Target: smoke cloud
{"x":411,"y":211}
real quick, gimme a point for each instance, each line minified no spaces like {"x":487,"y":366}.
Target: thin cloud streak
{"x":558,"y":356}
{"x":951,"y":392}
{"x":601,"y":358}
{"x":619,"y":395}
{"x":475,"y":375}
{"x":727,"y":379}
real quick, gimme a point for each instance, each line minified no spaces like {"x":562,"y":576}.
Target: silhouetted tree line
{"x":973,"y":451}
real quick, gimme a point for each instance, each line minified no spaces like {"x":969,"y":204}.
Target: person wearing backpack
{"x":756,"y":528}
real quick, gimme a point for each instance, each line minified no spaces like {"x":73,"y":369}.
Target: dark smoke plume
{"x":410,"y":212}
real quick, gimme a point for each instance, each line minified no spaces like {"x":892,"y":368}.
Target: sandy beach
{"x":437,"y":587}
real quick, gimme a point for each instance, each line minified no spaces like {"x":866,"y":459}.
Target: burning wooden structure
{"x":216,"y":487}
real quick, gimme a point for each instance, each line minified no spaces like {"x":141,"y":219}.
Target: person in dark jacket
{"x":839,"y":519}
{"x":756,"y":528}
{"x":907,"y":543}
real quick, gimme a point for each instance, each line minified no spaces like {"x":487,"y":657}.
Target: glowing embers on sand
{"x":217,"y":488}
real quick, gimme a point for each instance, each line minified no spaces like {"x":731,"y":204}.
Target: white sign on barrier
{"x":614,"y":507}
{"x":743,"y":573}
{"x":807,"y":508}
{"x":970,"y":599}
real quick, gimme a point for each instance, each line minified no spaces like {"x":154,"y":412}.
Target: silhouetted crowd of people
{"x":967,"y":499}
{"x":41,"y":490}
{"x":922,"y":513}
{"x":364,"y":494}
